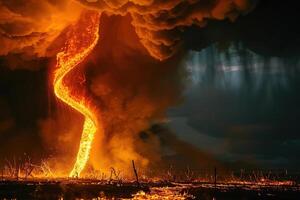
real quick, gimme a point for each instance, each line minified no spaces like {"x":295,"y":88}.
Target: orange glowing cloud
{"x":29,"y":27}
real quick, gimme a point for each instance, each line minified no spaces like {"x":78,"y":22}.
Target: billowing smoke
{"x":133,"y":91}
{"x":30,"y":27}
{"x":159,"y":24}
{"x":130,"y":86}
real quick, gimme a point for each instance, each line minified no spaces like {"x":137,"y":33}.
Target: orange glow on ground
{"x":82,"y":38}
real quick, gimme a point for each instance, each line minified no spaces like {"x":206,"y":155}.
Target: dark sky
{"x":241,"y":98}
{"x":248,"y":113}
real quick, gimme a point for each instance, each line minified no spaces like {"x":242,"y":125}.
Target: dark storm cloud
{"x":270,"y":29}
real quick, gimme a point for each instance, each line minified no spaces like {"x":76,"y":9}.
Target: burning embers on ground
{"x":22,"y":179}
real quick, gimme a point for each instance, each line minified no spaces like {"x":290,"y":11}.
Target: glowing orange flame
{"x":82,"y":38}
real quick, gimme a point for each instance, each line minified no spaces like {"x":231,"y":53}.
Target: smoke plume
{"x":133,"y":91}
{"x":131,"y":86}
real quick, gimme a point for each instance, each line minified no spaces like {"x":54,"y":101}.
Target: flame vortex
{"x":82,"y":38}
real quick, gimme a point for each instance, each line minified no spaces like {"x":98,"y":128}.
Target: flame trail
{"x":82,"y":38}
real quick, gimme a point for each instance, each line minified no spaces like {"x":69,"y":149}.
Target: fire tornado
{"x":82,"y":38}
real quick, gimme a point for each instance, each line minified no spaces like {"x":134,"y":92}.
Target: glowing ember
{"x":77,"y":47}
{"x":163,"y":193}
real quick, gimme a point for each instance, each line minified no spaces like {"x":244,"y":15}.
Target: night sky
{"x":239,"y":85}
